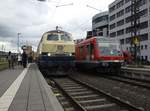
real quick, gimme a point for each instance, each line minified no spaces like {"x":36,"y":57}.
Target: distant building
{"x":100,"y":24}
{"x":120,"y":25}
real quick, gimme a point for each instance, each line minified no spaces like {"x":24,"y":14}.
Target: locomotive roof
{"x":56,"y":31}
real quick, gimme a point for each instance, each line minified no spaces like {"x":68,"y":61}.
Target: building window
{"x":121,"y":22}
{"x":128,"y":9}
{"x":111,"y":9}
{"x":128,"y":40}
{"x":141,"y":47}
{"x":128,"y":19}
{"x":120,"y":13}
{"x":112,"y":17}
{"x":122,"y":41}
{"x":128,"y":29}
{"x":112,"y":26}
{"x":143,"y":13}
{"x":144,"y":37}
{"x":121,"y":3}
{"x":142,"y":2}
{"x":146,"y":58}
{"x":100,"y":19}
{"x":142,"y":58}
{"x":126,"y":1}
{"x":120,"y":32}
{"x":145,"y":46}
{"x":144,"y":25}
{"x":113,"y":34}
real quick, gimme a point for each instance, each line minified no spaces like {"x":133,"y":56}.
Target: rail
{"x":131,"y":81}
{"x":86,"y":97}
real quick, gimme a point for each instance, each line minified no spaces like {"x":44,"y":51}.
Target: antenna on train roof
{"x":57,"y":27}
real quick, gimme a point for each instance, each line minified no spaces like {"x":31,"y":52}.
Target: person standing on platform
{"x":10,"y":60}
{"x":24,"y":59}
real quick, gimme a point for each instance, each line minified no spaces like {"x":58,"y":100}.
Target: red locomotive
{"x":99,"y":53}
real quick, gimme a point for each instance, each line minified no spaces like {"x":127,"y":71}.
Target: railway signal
{"x":136,"y":41}
{"x":135,"y":29}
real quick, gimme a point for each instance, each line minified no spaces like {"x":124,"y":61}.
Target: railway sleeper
{"x":71,"y":88}
{"x":92,"y":100}
{"x":77,"y":90}
{"x":70,"y":109}
{"x":104,"y":107}
{"x":81,"y":93}
{"x":86,"y":97}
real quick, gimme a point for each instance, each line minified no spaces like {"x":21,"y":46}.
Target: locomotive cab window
{"x":65,"y":37}
{"x":53,"y":37}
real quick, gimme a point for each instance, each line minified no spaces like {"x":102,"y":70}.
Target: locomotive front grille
{"x":60,"y":48}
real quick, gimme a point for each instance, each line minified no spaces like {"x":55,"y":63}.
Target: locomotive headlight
{"x":116,"y":61}
{"x":49,"y":54}
{"x":70,"y":54}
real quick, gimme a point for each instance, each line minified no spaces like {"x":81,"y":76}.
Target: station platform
{"x":143,"y":68}
{"x":26,"y":90}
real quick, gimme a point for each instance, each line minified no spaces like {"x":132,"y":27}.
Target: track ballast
{"x":84,"y":97}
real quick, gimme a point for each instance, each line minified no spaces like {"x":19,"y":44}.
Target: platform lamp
{"x":18,"y":44}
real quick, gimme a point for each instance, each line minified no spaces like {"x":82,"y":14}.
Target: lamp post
{"x":18,"y":42}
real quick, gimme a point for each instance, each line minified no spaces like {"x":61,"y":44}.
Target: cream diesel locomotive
{"x":56,"y":52}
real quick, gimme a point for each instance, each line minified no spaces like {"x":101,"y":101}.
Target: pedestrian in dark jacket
{"x":24,"y":59}
{"x":10,"y":60}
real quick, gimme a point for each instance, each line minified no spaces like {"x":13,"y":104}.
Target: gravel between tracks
{"x":135,"y":95}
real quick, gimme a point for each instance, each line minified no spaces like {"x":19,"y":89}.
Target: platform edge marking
{"x":7,"y":98}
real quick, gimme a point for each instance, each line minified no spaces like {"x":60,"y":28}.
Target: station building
{"x":120,"y":23}
{"x":100,"y":24}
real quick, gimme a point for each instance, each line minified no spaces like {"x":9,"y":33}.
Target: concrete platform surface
{"x":26,"y":90}
{"x":7,"y":77}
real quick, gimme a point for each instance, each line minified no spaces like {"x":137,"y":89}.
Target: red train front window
{"x":108,"y":47}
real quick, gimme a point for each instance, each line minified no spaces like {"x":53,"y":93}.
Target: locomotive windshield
{"x":56,"y":37}
{"x":65,"y":37}
{"x":108,"y":47}
{"x":53,"y":37}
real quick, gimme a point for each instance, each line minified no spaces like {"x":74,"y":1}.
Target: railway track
{"x":134,"y":82}
{"x":75,"y":95}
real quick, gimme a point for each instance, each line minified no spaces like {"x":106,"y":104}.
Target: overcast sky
{"x":32,"y":18}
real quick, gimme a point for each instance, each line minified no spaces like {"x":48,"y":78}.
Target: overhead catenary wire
{"x":64,"y":5}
